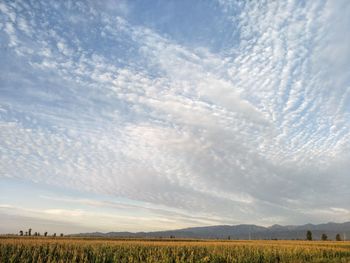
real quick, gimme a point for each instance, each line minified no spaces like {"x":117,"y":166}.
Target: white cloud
{"x":244,"y":133}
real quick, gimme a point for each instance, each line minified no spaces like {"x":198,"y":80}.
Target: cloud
{"x":91,"y":101}
{"x":13,"y":224}
{"x":95,"y":219}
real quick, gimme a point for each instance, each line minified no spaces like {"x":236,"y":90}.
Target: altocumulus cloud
{"x":246,"y":121}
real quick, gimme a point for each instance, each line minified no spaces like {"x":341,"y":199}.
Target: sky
{"x":155,"y":115}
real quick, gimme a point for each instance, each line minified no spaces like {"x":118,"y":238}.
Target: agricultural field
{"x":39,"y":249}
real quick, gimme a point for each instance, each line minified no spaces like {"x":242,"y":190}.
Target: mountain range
{"x":243,"y":231}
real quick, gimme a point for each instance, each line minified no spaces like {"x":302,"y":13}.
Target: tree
{"x":324,"y":237}
{"x":309,"y":235}
{"x":54,"y":235}
{"x":21,"y":232}
{"x":337,"y":237}
{"x":26,"y":233}
{"x":35,"y":234}
{"x":61,"y":235}
{"x":45,"y":234}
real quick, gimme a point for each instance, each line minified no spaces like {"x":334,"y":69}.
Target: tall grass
{"x":104,"y":250}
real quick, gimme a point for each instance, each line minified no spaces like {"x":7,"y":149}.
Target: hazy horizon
{"x":139,"y":115}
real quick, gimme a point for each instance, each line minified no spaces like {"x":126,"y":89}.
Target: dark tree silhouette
{"x":54,"y":234}
{"x":324,"y":237}
{"x":29,"y":232}
{"x":45,"y":234}
{"x":26,"y":233}
{"x":21,"y":233}
{"x":309,"y":235}
{"x":61,"y":235}
{"x":337,"y":237}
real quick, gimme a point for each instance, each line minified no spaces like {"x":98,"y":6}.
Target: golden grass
{"x":39,"y":249}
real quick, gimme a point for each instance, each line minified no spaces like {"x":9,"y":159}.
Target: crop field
{"x":30,"y":249}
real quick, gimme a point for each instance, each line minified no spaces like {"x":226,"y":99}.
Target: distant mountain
{"x":240,"y":232}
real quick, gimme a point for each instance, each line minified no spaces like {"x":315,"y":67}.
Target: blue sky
{"x":150,"y":115}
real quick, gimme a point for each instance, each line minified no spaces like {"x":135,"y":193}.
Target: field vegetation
{"x":45,"y":249}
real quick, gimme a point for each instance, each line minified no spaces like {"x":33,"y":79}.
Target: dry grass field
{"x":30,"y":249}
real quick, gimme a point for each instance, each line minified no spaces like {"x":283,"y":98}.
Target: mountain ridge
{"x":241,"y":231}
